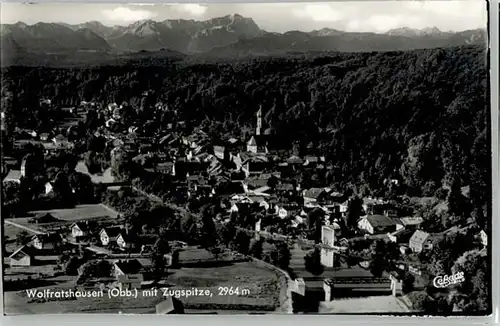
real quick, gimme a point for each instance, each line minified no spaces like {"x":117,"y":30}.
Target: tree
{"x":256,"y":248}
{"x":457,"y":203}
{"x":422,"y":302}
{"x":315,"y":221}
{"x":472,"y":293}
{"x":280,"y":255}
{"x":83,"y":187}
{"x":216,"y":251}
{"x":62,"y":188}
{"x":175,"y":258}
{"x":382,"y":257}
{"x":72,"y":265}
{"x":160,"y":249}
{"x":11,"y":200}
{"x":377,"y":266}
{"x":312,"y":261}
{"x":440,"y":259}
{"x":408,"y":283}
{"x":188,"y":227}
{"x":443,"y":306}
{"x":272,"y":182}
{"x":208,"y":237}
{"x":242,"y":242}
{"x":94,"y":269}
{"x":227,"y":234}
{"x":93,"y":162}
{"x":354,"y":212}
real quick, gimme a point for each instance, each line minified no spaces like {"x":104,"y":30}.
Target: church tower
{"x":23,"y":168}
{"x":259,"y":121}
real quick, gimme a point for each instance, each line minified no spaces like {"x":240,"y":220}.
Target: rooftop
{"x":22,"y":252}
{"x":411,"y":220}
{"x":381,"y":220}
{"x":131,"y":266}
{"x":112,"y":231}
{"x":420,"y":236}
{"x":313,"y":192}
{"x":13,"y":175}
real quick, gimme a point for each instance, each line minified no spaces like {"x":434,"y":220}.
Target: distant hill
{"x":179,"y":35}
{"x":334,"y":40}
{"x":51,"y":37}
{"x":228,"y":36}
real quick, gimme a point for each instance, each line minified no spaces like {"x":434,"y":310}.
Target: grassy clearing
{"x":381,"y":304}
{"x":261,"y":285}
{"x":79,"y":212}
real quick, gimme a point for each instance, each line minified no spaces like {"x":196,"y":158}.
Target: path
{"x":23,"y":227}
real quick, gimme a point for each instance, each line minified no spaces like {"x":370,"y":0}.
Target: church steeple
{"x":259,"y":121}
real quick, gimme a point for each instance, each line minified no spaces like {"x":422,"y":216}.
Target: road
{"x":23,"y":227}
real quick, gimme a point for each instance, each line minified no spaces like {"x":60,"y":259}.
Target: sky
{"x":352,"y":16}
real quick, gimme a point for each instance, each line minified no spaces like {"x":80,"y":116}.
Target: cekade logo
{"x":445,"y":281}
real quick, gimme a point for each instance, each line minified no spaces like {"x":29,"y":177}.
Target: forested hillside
{"x":419,"y":116}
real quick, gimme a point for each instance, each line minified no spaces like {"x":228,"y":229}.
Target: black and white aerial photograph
{"x":246,"y":158}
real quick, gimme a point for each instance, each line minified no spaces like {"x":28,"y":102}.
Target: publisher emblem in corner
{"x":447,"y":280}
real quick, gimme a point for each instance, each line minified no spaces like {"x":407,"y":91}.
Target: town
{"x":115,"y":195}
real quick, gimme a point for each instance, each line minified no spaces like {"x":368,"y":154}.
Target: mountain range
{"x":231,"y":35}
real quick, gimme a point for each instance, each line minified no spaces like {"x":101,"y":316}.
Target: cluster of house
{"x":127,"y":273}
{"x":53,"y":242}
{"x":52,"y":141}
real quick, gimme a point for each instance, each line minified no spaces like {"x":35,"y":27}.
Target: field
{"x":45,"y":265}
{"x":80,"y":212}
{"x":256,"y":286}
{"x":378,"y":304}
{"x":65,"y":216}
{"x":17,"y":303}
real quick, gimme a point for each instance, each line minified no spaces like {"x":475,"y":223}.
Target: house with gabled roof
{"x":24,"y":256}
{"x":284,"y":187}
{"x":373,"y":206}
{"x":257,"y":144}
{"x":109,"y":234}
{"x":196,"y":180}
{"x":13,"y":176}
{"x":79,"y":229}
{"x":294,"y":159}
{"x":126,"y":241}
{"x":284,"y":210}
{"x":377,"y":224}
{"x":420,"y":241}
{"x":127,"y":267}
{"x":311,"y":161}
{"x":47,"y":241}
{"x":43,"y":218}
{"x":483,"y":237}
{"x":411,"y":222}
{"x":314,"y":195}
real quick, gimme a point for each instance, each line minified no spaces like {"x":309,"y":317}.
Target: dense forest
{"x":420,"y":116}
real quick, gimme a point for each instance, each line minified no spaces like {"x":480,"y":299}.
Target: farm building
{"x":43,"y":218}
{"x":128,"y":273}
{"x":79,"y":230}
{"x":110,"y":234}
{"x":23,"y":256}
{"x":48,"y":241}
{"x":377,"y":224}
{"x":420,"y":241}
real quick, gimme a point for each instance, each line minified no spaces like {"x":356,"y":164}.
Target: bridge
{"x":358,"y":280}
